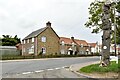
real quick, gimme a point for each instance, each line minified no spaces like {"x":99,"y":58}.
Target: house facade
{"x":67,"y":46}
{"x":44,"y":40}
{"x":73,"y":46}
{"x":112,"y":49}
{"x":94,"y":47}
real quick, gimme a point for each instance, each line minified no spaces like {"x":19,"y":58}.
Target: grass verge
{"x":113,"y":67}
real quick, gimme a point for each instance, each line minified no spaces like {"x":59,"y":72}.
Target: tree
{"x":7,"y":40}
{"x":95,"y":22}
{"x":102,"y":17}
{"x":106,"y":23}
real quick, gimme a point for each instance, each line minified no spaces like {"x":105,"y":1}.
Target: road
{"x":53,"y":68}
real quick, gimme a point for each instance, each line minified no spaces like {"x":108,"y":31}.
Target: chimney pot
{"x":72,"y":38}
{"x":48,"y":24}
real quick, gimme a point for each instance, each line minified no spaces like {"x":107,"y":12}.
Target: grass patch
{"x":113,"y":67}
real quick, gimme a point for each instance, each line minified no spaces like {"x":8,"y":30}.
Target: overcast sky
{"x":21,"y":17}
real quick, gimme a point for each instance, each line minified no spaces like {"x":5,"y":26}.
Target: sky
{"x":21,"y":17}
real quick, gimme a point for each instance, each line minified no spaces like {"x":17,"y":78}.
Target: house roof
{"x":66,"y":40}
{"x":69,"y":41}
{"x":35,"y":33}
{"x":81,"y":42}
{"x":92,"y":44}
{"x":39,"y":31}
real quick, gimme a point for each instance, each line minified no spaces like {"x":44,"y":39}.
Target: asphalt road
{"x":26,"y":66}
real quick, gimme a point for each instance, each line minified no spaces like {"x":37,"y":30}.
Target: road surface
{"x":43,"y":68}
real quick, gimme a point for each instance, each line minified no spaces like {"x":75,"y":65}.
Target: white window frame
{"x":23,"y":49}
{"x":24,"y":41}
{"x":43,"y":39}
{"x":32,"y":39}
{"x":63,"y":42}
{"x":31,"y":49}
{"x":28,"y":41}
{"x":62,"y":51}
{"x":82,"y":45}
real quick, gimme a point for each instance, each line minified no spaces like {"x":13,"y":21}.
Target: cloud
{"x":24,"y":16}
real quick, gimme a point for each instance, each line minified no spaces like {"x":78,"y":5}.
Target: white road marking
{"x":50,"y":69}
{"x":64,"y":66}
{"x":57,"y":68}
{"x":39,"y":71}
{"x":44,"y":70}
{"x":27,"y":72}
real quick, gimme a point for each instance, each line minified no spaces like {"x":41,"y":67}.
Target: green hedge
{"x":12,"y":57}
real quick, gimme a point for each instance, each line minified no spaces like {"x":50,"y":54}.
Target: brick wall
{"x":52,"y":44}
{"x":26,"y":46}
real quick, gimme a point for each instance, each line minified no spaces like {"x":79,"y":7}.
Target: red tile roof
{"x":66,"y":40}
{"x":69,"y":41}
{"x":81,"y":42}
{"x":92,"y":44}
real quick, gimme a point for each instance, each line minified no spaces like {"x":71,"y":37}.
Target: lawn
{"x":113,"y":67}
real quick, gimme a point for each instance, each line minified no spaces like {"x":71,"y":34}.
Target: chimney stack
{"x":48,"y":24}
{"x":72,"y":38}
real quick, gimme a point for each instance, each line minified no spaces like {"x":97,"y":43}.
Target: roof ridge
{"x":35,"y":33}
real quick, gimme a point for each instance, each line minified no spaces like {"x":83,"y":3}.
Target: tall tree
{"x":102,"y":17}
{"x":106,"y":23}
{"x":95,"y":18}
{"x":8,"y":40}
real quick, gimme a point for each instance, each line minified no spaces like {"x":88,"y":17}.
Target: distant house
{"x":44,"y":40}
{"x":112,"y":49}
{"x":67,"y":46}
{"x":73,"y":46}
{"x":94,"y":47}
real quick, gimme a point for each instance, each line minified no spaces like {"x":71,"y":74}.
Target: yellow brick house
{"x":44,"y":40}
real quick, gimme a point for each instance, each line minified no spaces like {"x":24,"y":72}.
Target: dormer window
{"x":43,"y":39}
{"x":81,"y":45}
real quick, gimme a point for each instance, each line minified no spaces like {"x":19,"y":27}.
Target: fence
{"x":9,"y":51}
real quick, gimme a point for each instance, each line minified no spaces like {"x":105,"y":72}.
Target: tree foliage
{"x":8,"y":40}
{"x":95,"y":22}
